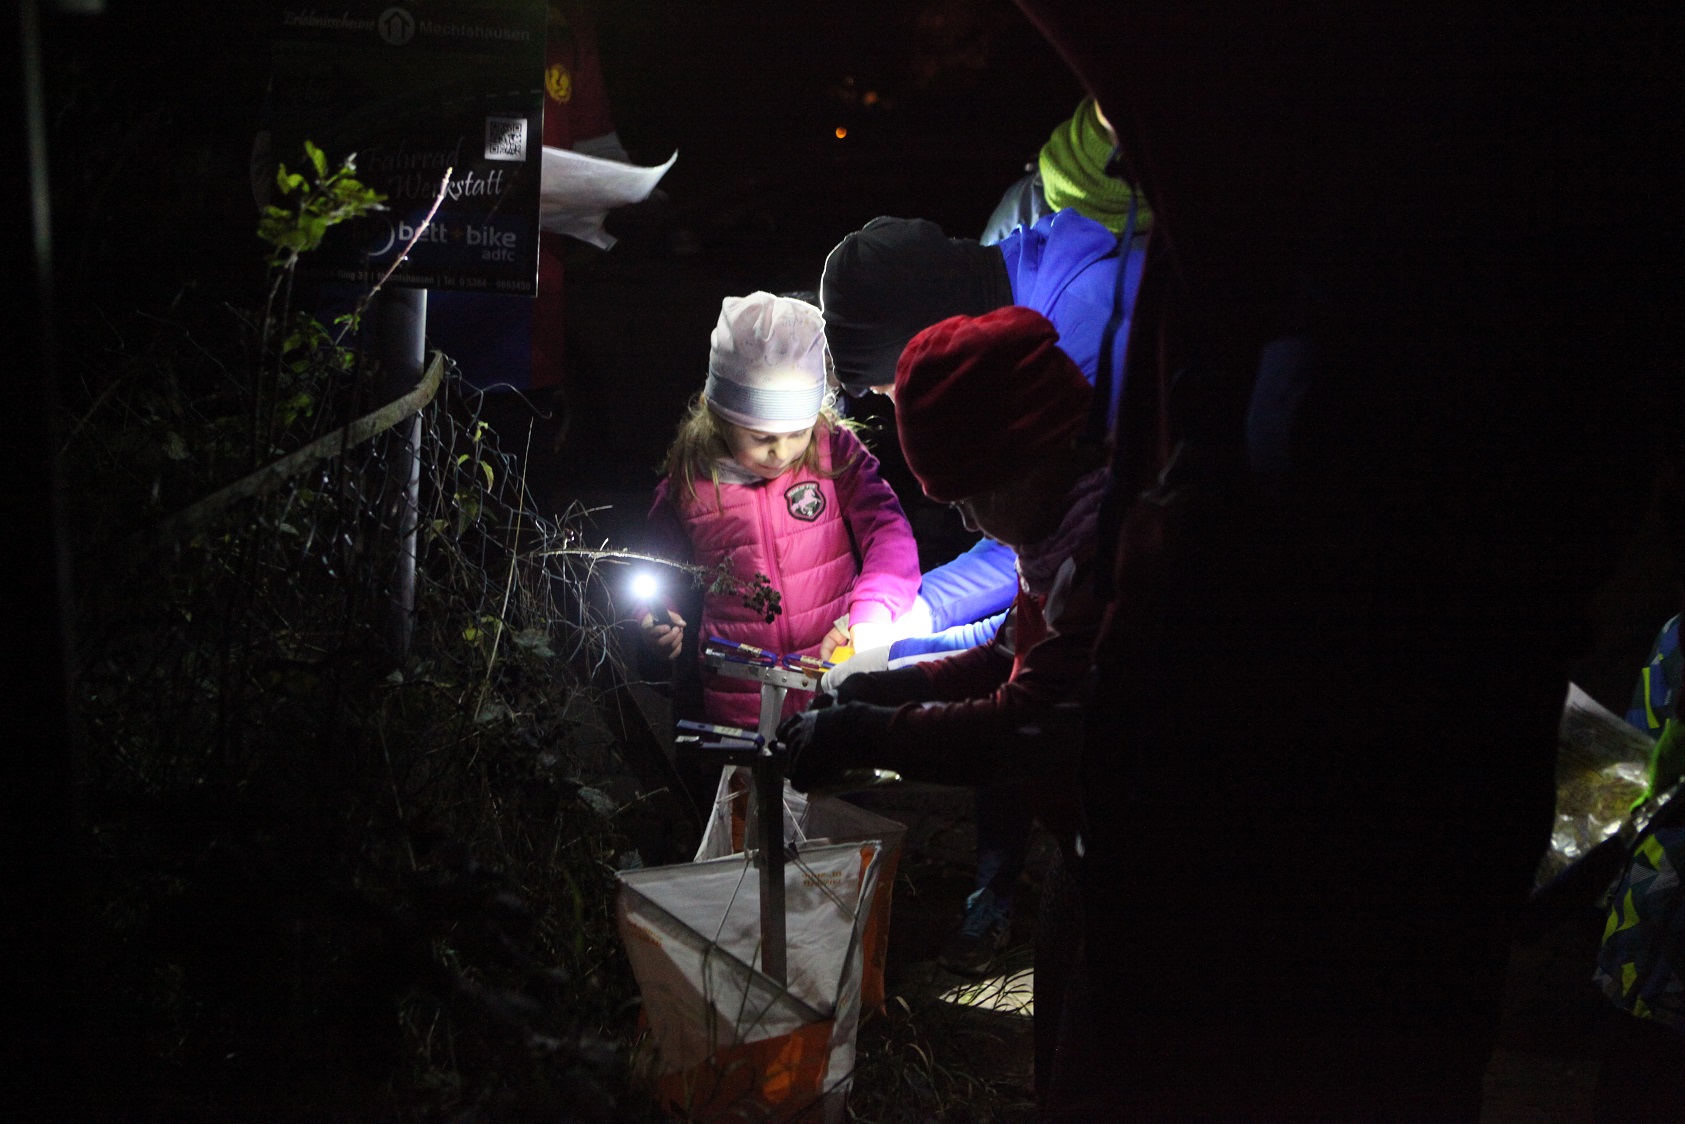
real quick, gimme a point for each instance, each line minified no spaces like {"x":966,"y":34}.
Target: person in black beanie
{"x":891,"y":280}
{"x":882,"y":285}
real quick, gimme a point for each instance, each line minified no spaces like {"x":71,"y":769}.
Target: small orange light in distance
{"x":841,"y":132}
{"x":870,"y":97}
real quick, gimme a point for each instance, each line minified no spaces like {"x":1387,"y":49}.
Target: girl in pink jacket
{"x":764,"y":476}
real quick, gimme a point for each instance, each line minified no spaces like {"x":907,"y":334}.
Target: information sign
{"x":413,"y":89}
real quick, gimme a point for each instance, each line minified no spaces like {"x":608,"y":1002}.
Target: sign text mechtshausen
{"x":414,"y":89}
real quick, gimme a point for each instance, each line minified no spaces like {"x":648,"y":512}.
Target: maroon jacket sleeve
{"x":961,"y":742}
{"x":972,"y":674}
{"x":889,"y":558}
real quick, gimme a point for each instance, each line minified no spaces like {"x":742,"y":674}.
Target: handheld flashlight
{"x":646,"y":589}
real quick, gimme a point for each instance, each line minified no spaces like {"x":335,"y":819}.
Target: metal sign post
{"x":441,"y":101}
{"x":768,"y":794}
{"x":401,"y":321}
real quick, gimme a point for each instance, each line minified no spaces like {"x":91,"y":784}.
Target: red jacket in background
{"x":575,"y":109}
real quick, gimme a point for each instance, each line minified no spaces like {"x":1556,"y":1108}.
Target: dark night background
{"x":151,"y":108}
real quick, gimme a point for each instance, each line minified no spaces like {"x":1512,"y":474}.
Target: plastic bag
{"x":1601,"y":766}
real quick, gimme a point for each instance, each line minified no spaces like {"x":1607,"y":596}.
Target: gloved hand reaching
{"x":877,"y":659}
{"x":826,"y":743}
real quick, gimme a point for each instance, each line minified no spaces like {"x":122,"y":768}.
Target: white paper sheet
{"x":576,"y":192}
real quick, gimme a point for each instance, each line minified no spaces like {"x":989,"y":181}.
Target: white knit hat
{"x":766,"y":363}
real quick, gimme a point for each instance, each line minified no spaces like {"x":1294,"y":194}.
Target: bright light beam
{"x":645,"y":586}
{"x":1011,"y":994}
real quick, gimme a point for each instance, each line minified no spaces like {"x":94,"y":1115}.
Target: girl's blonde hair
{"x":701,"y":443}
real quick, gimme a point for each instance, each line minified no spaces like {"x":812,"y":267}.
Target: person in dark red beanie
{"x":992,"y":417}
{"x":981,"y":400}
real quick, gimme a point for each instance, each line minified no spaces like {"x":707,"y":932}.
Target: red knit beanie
{"x":980,"y":400}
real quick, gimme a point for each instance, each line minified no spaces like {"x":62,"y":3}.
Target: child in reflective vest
{"x":764,"y":479}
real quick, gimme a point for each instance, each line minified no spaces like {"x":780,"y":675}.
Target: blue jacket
{"x":1656,"y":697}
{"x":1066,"y":268}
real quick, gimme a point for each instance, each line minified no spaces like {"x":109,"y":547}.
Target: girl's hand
{"x":867,"y":636}
{"x":833,"y":639}
{"x":663,"y":640}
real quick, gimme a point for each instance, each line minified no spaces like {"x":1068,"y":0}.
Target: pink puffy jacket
{"x":829,"y":547}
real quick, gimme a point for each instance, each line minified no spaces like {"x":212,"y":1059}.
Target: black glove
{"x":825,"y":744}
{"x":885,"y":688}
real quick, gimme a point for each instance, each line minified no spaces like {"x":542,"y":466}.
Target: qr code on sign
{"x":506,"y":138}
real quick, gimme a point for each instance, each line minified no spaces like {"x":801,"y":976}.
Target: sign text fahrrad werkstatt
{"x":413,"y":89}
